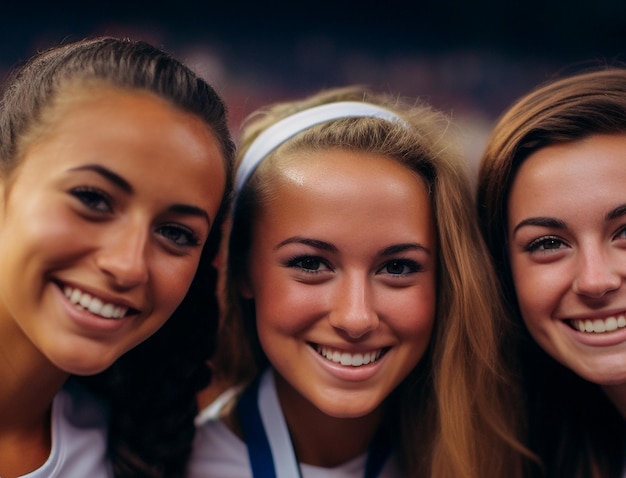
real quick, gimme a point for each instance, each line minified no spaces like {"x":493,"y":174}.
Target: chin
{"x":604,"y":375}
{"x":83,"y":366}
{"x":352,"y":411}
{"x":607,"y":379}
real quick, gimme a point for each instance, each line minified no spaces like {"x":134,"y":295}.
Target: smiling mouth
{"x":348,"y":359}
{"x":96,"y":306}
{"x":599,"y":326}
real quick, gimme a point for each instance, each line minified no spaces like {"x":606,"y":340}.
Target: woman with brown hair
{"x":552,"y":207}
{"x":359,"y":303}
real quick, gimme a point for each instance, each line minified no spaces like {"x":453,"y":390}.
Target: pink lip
{"x":604,"y":314}
{"x":86,"y":320}
{"x":348,"y":373}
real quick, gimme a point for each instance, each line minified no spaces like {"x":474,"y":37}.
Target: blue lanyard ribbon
{"x":258,"y":410}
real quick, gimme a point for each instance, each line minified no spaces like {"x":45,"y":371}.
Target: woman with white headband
{"x":358,"y":303}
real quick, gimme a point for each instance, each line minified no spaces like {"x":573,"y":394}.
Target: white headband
{"x":284,"y":129}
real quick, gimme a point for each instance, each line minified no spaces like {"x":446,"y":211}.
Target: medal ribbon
{"x":267,"y":439}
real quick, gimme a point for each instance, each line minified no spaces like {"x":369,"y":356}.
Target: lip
{"x":91,"y":322}
{"x":350,"y":373}
{"x":604,"y":314}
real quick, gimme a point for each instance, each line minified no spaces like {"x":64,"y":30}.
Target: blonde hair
{"x":456,"y":410}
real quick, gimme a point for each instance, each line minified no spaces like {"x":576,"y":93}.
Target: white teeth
{"x":599,"y":326}
{"x":84,"y":301}
{"x":107,"y":311}
{"x":93,"y":304}
{"x":74,"y":295}
{"x":611,"y":324}
{"x":347,"y":359}
{"x":357,"y":360}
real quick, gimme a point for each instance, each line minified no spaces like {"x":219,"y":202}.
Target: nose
{"x":597,"y":274}
{"x":123,"y":256}
{"x":352,"y":309}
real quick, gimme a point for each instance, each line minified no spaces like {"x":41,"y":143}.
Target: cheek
{"x":287,"y":311}
{"x":411,"y":312}
{"x":171,"y":278}
{"x":529,"y":298}
{"x":50,"y":239}
{"x":538,"y":289}
{"x":33,"y":226}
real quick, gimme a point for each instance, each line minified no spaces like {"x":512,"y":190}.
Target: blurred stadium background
{"x":470,"y":59}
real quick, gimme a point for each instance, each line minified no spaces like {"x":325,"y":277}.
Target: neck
{"x":29,"y":384}
{"x":617,"y":395}
{"x":322,"y":440}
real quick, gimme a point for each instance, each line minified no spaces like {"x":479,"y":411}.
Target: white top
{"x":219,"y":453}
{"x":79,"y":436}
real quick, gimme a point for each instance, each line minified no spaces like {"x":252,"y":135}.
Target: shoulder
{"x":79,"y":436}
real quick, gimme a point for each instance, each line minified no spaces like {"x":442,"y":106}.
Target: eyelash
{"x":192,"y":239}
{"x":89,"y":196}
{"x":620,"y":232}
{"x":536,"y":245}
{"x":298,"y":262}
{"x":409,"y":264}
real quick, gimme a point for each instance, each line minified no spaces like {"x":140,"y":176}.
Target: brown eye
{"x":94,"y":199}
{"x":308,"y":264}
{"x":401,"y":267}
{"x":546,"y":244}
{"x":178,"y":235}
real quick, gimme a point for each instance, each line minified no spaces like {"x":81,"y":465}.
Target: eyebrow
{"x":325,"y":246}
{"x":188,"y":210}
{"x":541,"y":222}
{"x":107,"y":174}
{"x":619,"y":211}
{"x":125,"y":186}
{"x":550,"y":222}
{"x":409,"y":246}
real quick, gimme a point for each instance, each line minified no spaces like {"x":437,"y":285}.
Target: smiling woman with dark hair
{"x":115,"y":161}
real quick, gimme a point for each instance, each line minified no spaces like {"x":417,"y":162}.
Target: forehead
{"x":570,"y":177}
{"x":101,"y":113}
{"x":331,"y":188}
{"x":75,"y":98}
{"x":137,"y":135}
{"x":326,"y":167}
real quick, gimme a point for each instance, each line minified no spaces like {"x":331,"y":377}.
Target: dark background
{"x":471,"y":59}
